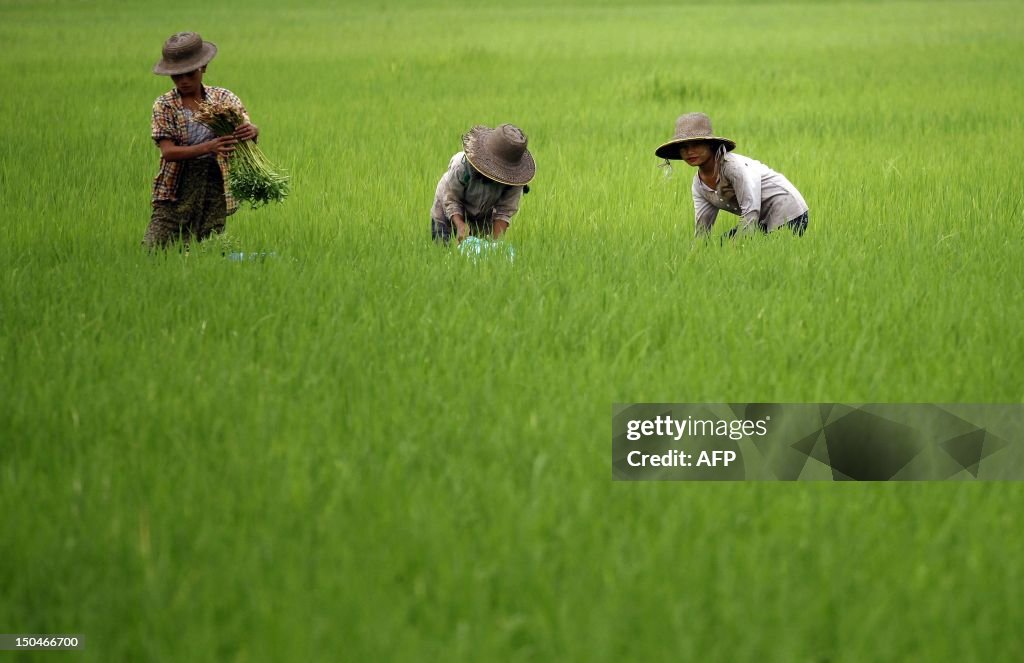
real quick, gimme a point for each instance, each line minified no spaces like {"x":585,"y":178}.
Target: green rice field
{"x":366,"y":447}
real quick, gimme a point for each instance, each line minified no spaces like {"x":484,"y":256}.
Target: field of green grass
{"x":369,"y":448}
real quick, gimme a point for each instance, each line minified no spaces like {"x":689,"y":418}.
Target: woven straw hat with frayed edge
{"x":184,"y":52}
{"x":500,"y":154}
{"x":691,"y":127}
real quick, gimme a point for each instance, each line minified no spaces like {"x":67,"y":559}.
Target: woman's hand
{"x":246,"y":132}
{"x":461,"y":228}
{"x":222,"y":145}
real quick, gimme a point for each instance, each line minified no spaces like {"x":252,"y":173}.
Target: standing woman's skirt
{"x":199,"y":211}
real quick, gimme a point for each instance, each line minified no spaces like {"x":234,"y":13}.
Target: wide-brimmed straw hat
{"x":689,"y":128}
{"x":500,"y":154}
{"x":184,"y":52}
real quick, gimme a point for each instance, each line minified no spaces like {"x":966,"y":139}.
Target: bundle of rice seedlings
{"x":252,"y":177}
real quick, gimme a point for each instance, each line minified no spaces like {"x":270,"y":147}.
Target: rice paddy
{"x":362,"y":446}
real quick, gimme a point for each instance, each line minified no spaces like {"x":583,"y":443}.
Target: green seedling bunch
{"x":253,"y":178}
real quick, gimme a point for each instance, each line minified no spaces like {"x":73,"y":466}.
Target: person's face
{"x":696,"y":153}
{"x":477,"y":174}
{"x":189,"y":83}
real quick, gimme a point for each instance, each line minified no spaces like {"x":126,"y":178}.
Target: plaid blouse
{"x":171,"y":121}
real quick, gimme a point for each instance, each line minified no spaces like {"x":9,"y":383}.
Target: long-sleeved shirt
{"x":750,"y":189}
{"x":172,"y":120}
{"x":462,"y":190}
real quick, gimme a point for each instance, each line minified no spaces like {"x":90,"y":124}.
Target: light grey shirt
{"x":462,"y":190}
{"x":750,"y":189}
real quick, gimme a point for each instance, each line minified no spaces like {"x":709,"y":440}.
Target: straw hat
{"x":500,"y":154}
{"x":691,"y":127}
{"x":184,"y":52}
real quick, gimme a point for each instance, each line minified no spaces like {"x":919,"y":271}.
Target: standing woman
{"x":764,"y":199}
{"x":190,"y":195}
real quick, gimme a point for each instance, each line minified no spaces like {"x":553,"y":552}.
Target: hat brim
{"x":490,"y":166}
{"x":670,"y":150}
{"x":206,"y":53}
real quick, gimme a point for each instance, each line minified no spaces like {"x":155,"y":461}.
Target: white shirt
{"x":750,"y":189}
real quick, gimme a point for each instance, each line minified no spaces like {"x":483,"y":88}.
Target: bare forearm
{"x":461,"y":229}
{"x":750,"y":219}
{"x":500,"y":226}
{"x":185,"y":152}
{"x":222,"y":145}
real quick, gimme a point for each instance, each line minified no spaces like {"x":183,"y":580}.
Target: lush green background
{"x":369,"y":448}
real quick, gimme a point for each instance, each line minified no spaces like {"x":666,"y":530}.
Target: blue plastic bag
{"x":478,"y":248}
{"x":240,"y":257}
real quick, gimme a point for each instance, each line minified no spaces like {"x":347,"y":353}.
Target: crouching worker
{"x":190,"y":196}
{"x":480,"y":193}
{"x":764,"y":199}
